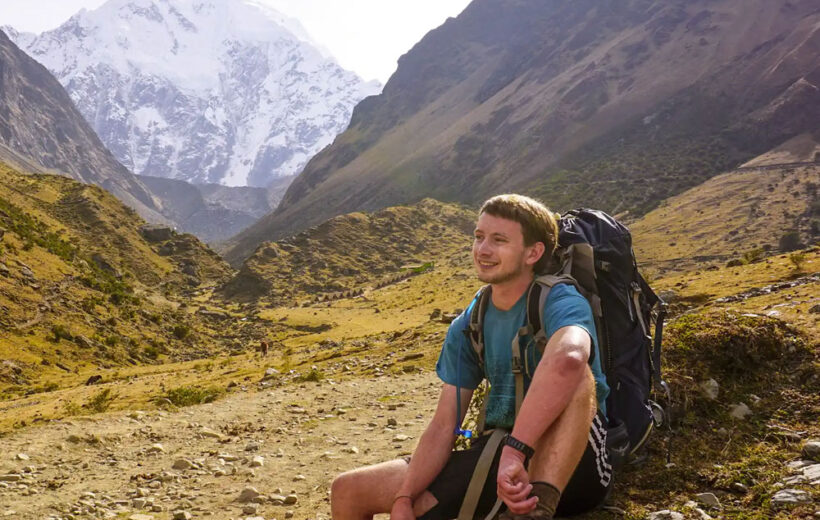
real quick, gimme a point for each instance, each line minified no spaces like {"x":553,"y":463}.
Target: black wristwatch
{"x":514,"y":443}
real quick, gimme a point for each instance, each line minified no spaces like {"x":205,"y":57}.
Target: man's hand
{"x":402,"y":509}
{"x":513,"y":482}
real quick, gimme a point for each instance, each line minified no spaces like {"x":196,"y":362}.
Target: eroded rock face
{"x":157,"y":233}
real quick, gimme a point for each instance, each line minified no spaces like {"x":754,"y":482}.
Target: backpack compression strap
{"x":475,"y":329}
{"x":482,"y":470}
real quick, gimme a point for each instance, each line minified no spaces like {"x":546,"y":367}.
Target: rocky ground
{"x":265,"y":454}
{"x":259,"y":453}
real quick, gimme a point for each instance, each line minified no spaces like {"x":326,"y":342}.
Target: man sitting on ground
{"x":560,"y":430}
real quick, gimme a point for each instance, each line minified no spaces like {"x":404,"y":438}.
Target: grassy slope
{"x":352,"y":251}
{"x":727,"y":216}
{"x":74,"y":314}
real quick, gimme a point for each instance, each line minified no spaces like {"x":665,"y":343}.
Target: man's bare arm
{"x":436,"y":442}
{"x":558,"y":376}
{"x":556,"y":379}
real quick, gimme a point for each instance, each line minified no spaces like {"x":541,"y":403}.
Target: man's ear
{"x":536,"y":252}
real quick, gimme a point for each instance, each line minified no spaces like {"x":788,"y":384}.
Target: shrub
{"x":790,"y":241}
{"x":797,"y":260}
{"x":190,"y":395}
{"x":101,"y":400}
{"x":753,"y":256}
{"x":60,"y":332}
{"x":314,"y":375}
{"x":181,"y":331}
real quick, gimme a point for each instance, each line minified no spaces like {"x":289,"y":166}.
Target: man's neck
{"x":505,"y":295}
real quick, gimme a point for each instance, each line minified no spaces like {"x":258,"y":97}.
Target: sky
{"x":366,"y":36}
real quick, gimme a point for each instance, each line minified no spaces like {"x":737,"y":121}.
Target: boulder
{"x":156,"y":233}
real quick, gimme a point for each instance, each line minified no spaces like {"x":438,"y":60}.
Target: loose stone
{"x":811,"y":450}
{"x":790,"y":497}
{"x":665,"y":515}
{"x":183,"y":464}
{"x":248,"y":494}
{"x":740,"y":411}
{"x":708,"y":499}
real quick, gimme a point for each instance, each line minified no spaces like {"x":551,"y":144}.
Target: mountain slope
{"x":39,"y":122}
{"x":350,"y":251}
{"x":610,"y":104}
{"x":207,"y":91}
{"x":85,"y":283}
{"x":752,"y":207}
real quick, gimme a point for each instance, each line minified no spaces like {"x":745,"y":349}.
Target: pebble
{"x":258,"y":461}
{"x":288,"y":514}
{"x":22,"y":456}
{"x":299,"y":477}
{"x":710,"y":389}
{"x":740,"y":411}
{"x":665,"y":515}
{"x":156,"y":448}
{"x":182,"y":515}
{"x":400,"y":437}
{"x":291,"y":499}
{"x":250,"y":509}
{"x":140,"y":516}
{"x":252,"y":446}
{"x":10,"y":477}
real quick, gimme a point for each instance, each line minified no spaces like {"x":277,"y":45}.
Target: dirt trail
{"x":199,"y":459}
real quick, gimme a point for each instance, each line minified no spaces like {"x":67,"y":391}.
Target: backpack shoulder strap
{"x":475,"y":328}
{"x":537,"y":300}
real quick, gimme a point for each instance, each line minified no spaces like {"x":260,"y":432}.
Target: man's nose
{"x":484,"y":247}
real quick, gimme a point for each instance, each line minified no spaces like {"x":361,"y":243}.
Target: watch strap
{"x":514,"y":443}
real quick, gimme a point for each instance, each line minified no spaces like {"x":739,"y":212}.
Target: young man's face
{"x":499,"y":253}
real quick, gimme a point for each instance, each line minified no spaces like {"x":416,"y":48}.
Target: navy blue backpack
{"x":595,"y":255}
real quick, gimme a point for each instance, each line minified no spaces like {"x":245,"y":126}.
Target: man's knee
{"x":343,"y":487}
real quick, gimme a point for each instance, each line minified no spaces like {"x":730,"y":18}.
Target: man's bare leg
{"x":361,"y":493}
{"x":560,"y":449}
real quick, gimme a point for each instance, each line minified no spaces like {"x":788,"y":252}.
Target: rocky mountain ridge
{"x":39,"y":124}
{"x":615,"y":105}
{"x":207,"y":91}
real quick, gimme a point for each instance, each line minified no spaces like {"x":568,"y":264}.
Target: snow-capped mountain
{"x":208,"y":91}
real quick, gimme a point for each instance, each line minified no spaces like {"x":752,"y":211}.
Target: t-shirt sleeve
{"x":567,"y":307}
{"x":458,"y":363}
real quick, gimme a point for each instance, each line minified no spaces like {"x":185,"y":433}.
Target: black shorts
{"x":587,"y":488}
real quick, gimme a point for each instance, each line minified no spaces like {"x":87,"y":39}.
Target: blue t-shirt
{"x":458,"y":363}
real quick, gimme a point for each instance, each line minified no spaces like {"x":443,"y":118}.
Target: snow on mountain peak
{"x":227,"y":91}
